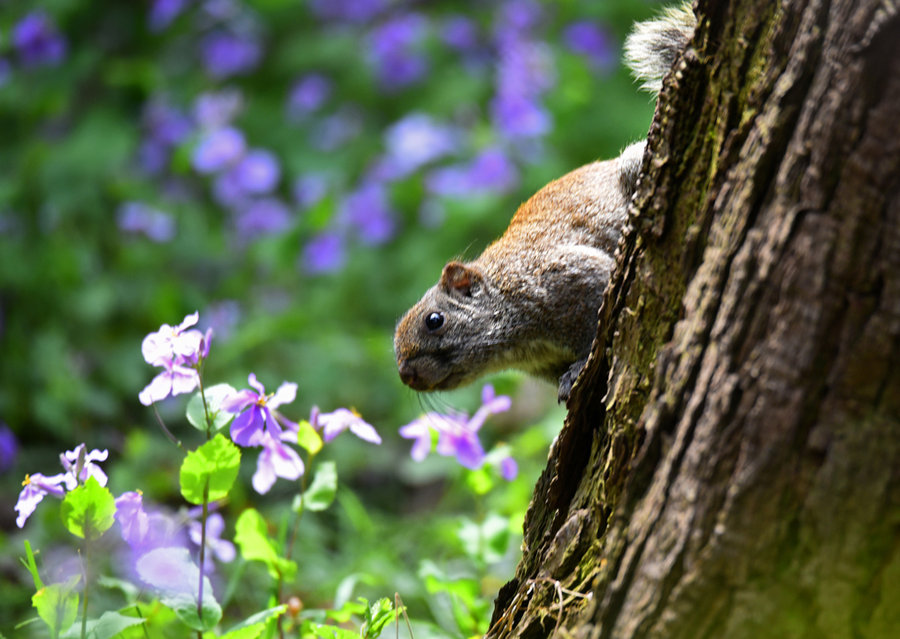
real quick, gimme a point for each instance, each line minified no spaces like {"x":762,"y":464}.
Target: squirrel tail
{"x":651,"y":48}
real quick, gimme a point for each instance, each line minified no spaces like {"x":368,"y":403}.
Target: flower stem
{"x":84,"y":601}
{"x":166,"y":430}
{"x":203,"y":517}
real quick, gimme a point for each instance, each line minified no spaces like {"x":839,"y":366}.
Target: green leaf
{"x":57,"y":605}
{"x":378,"y":615}
{"x":217,"y":462}
{"x":321,"y":491}
{"x":215,"y":395}
{"x":32,"y":566}
{"x":252,"y":537}
{"x":87,"y":511}
{"x":308,"y":438}
{"x":486,"y":541}
{"x":107,"y":626}
{"x":324,"y":631}
{"x":176,"y":579}
{"x":252,"y":626}
{"x":480,"y":481}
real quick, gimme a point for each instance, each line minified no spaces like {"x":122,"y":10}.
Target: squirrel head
{"x":440,"y":342}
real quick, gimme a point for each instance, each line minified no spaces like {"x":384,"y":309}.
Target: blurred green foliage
{"x":79,"y":289}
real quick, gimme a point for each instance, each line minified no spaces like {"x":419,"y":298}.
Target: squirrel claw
{"x":567,"y":380}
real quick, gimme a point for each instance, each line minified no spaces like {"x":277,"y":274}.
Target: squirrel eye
{"x":434,"y":321}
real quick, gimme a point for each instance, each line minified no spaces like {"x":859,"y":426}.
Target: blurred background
{"x":297,"y":172}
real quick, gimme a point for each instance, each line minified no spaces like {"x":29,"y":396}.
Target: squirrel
{"x":530,"y":300}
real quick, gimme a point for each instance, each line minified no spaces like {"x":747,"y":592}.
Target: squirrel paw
{"x":567,"y":380}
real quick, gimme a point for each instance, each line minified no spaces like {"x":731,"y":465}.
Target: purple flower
{"x":276,"y":460}
{"x":491,"y":171}
{"x":166,"y":124}
{"x":257,"y":172}
{"x":257,"y":412}
{"x":455,"y":438}
{"x":164,"y":12}
{"x":460,"y":32}
{"x":79,"y":466}
{"x":9,"y":448}
{"x":137,"y":217}
{"x":217,"y":109}
{"x":221,"y":548}
{"x":333,"y":424}
{"x":337,"y":129}
{"x":415,"y":141}
{"x":592,"y":41}
{"x":519,"y":116}
{"x":509,"y":469}
{"x":309,"y":189}
{"x":392,"y":50}
{"x":34,"y":488}
{"x":457,"y":435}
{"x":226,"y":54}
{"x":263,"y":217}
{"x":131,"y":517}
{"x":308,"y":94}
{"x":176,"y":350}
{"x":222,"y":318}
{"x":37,"y":40}
{"x":367,"y":211}
{"x":324,"y":253}
{"x":219,"y":149}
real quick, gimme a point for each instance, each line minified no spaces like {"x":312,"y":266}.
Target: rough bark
{"x":730,"y":464}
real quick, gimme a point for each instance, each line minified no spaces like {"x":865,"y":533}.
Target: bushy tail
{"x":653,"y":45}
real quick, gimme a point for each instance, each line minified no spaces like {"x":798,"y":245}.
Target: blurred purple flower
{"x":174,"y":380}
{"x":9,"y":448}
{"x":334,"y":423}
{"x":491,"y":404}
{"x":226,"y":54}
{"x":164,"y":12}
{"x":256,"y":412}
{"x":367,"y":211}
{"x":216,"y":109}
{"x":491,"y":171}
{"x":34,"y":488}
{"x":393,"y":50}
{"x":519,"y":116}
{"x":153,"y":157}
{"x":592,"y":41}
{"x":38,"y":41}
{"x":415,"y":141}
{"x":337,"y":129}
{"x":308,"y":94}
{"x":349,"y":10}
{"x":219,"y":149}
{"x":460,"y":32}
{"x":263,"y":217}
{"x":257,"y":172}
{"x":324,"y":253}
{"x":276,"y":460}
{"x":517,"y":16}
{"x":221,"y":548}
{"x":309,"y":189}
{"x":222,"y":318}
{"x":80,"y":465}
{"x":131,"y":517}
{"x":166,"y":124}
{"x":509,"y":469}
{"x":137,"y":217}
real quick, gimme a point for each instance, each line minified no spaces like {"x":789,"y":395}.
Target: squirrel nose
{"x":408,"y":374}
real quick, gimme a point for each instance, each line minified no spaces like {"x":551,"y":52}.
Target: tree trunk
{"x":730,"y":464}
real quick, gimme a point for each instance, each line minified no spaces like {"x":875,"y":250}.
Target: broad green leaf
{"x":324,"y":631}
{"x":176,"y":579}
{"x":308,"y":438}
{"x":32,"y":566}
{"x":217,"y":462}
{"x":321,"y":491}
{"x":107,"y":626}
{"x":87,"y":511}
{"x":480,"y":481}
{"x":214,"y":397}
{"x":252,"y":537}
{"x":252,"y":626}
{"x":57,"y":605}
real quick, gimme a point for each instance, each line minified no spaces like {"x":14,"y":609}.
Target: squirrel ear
{"x":461,"y":279}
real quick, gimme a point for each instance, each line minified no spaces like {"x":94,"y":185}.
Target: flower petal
{"x":246,"y":429}
{"x":285,"y":394}
{"x":156,"y":390}
{"x":236,"y":402}
{"x":251,"y":379}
